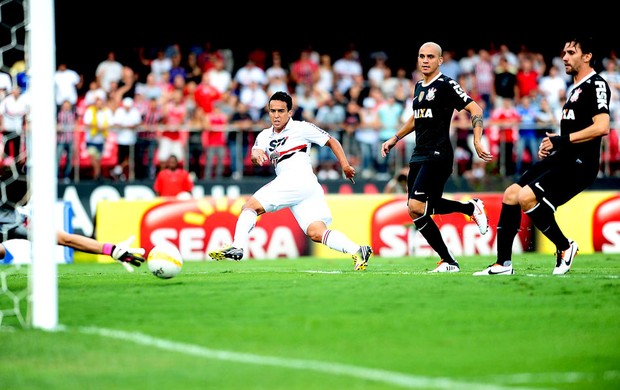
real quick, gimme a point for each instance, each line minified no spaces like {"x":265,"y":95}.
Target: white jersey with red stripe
{"x":289,"y":150}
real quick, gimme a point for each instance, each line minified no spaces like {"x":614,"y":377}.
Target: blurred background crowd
{"x":123,"y":118}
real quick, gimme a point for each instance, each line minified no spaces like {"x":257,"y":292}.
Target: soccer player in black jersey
{"x":436,"y":97}
{"x":569,"y":162}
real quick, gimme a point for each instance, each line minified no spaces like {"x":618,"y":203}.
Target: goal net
{"x":28,"y":283}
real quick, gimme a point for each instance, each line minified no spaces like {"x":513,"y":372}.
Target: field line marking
{"x":394,"y":378}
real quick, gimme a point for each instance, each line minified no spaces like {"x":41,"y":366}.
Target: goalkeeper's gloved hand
{"x":122,"y":253}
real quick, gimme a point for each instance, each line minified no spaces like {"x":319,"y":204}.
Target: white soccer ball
{"x":165,"y":261}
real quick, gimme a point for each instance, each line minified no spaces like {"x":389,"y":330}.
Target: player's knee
{"x":416,"y":208}
{"x":511,"y":194}
{"x":526,"y":198}
{"x":315,"y":232}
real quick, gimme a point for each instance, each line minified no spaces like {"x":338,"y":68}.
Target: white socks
{"x":339,"y":242}
{"x":245,"y":224}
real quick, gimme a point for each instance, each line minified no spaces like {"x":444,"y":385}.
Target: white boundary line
{"x":389,"y":377}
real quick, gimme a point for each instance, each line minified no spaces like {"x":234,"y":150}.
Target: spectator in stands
{"x":398,"y":183}
{"x":13,"y":111}
{"x":484,"y":75}
{"x":468,"y":61}
{"x":94,"y":91}
{"x":173,"y":180}
{"x":108,"y":71}
{"x":126,"y":86}
{"x":242,"y":125}
{"x":504,"y":51}
{"x":389,"y":113}
{"x":259,"y":56}
{"x":98,"y":119}
{"x":150,"y":89}
{"x":612,"y":76}
{"x":219,"y":76}
{"x":246,"y":75}
{"x":178,"y":68}
{"x":173,"y":137}
{"x":450,"y":66}
{"x":326,"y":74}
{"x":147,"y":139}
{"x":461,"y":129}
{"x":398,"y":85}
{"x":379,"y":71}
{"x":6,"y":84}
{"x":65,"y":130}
{"x":19,"y":73}
{"x":310,"y":101}
{"x":503,"y":133}
{"x":277,"y":75}
{"x":206,"y":96}
{"x":214,"y":142}
{"x":160,"y":66}
{"x":350,"y":126}
{"x":194,"y":72}
{"x":127,"y":119}
{"x":304,"y":72}
{"x":529,"y":136}
{"x":367,"y":136}
{"x":330,"y":117}
{"x":255,"y":98}
{"x":67,"y":82}
{"x":527,"y":78}
{"x":504,"y":83}
{"x":346,"y":68}
{"x":552,"y":87}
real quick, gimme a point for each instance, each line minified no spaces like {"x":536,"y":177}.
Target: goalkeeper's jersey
{"x":289,"y":150}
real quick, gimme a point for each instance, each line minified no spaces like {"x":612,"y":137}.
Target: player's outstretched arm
{"x":121,"y":252}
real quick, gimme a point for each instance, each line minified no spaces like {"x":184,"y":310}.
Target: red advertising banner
{"x":197,"y":226}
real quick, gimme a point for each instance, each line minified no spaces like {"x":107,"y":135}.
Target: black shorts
{"x":426,"y":180}
{"x":558,"y":181}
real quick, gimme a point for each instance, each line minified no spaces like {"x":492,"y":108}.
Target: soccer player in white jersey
{"x":286,"y":145}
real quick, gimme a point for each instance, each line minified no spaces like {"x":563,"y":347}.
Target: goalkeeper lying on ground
{"x":18,"y":250}
{"x":14,"y":244}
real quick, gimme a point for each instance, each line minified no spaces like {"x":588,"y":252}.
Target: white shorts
{"x":18,"y":251}
{"x":302,"y":193}
{"x":168,"y":147}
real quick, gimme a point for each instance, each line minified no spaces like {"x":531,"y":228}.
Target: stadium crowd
{"x":126,"y":119}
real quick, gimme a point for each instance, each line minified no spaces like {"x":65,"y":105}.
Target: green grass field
{"x":317,"y":324}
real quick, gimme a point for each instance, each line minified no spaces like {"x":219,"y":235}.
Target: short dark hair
{"x":587,"y":44}
{"x":283,"y":97}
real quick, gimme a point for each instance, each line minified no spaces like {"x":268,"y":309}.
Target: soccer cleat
{"x":496,"y":269}
{"x":479,"y":216}
{"x":227,"y":253}
{"x":565,"y":258}
{"x":444,"y":266}
{"x":360,"y":258}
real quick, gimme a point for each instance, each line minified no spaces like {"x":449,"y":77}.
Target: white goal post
{"x":40,"y":55}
